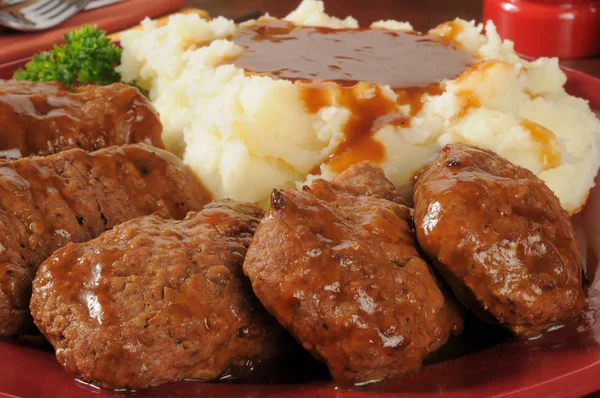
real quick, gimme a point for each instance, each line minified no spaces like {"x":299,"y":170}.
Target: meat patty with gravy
{"x":500,"y":238}
{"x":47,"y":118}
{"x":337,"y":265}
{"x":74,"y":196}
{"x":156,"y":300}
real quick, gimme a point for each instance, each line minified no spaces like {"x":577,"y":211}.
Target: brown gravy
{"x":337,"y":66}
{"x":469,"y":101}
{"x":348,"y":56}
{"x":367,"y":115}
{"x":448,"y":32}
{"x":550,"y":155}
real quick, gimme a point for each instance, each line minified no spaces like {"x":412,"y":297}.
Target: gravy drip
{"x":550,"y":155}
{"x":368,"y":113}
{"x":347,"y":68}
{"x":448,"y":32}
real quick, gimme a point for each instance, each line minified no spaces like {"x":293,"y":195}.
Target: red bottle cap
{"x":548,"y":28}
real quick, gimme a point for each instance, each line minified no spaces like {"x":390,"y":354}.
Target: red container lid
{"x":548,"y":28}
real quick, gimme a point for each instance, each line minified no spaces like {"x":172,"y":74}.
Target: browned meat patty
{"x":337,"y":265}
{"x":157,"y":300}
{"x":74,"y":196}
{"x":47,"y":118}
{"x":500,"y":238}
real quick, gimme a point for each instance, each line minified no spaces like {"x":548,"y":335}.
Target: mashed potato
{"x":244,"y":135}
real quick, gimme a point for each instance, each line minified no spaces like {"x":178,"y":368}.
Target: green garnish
{"x":87,"y":57}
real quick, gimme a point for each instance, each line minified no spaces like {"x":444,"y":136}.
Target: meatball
{"x":157,"y":300}
{"x":500,"y":238}
{"x":47,"y":118}
{"x":337,"y":265}
{"x":74,"y":196}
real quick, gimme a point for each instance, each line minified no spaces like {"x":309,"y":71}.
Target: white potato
{"x":244,"y":135}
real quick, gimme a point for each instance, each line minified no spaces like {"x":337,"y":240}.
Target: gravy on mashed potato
{"x":273,"y":103}
{"x":348,"y":67}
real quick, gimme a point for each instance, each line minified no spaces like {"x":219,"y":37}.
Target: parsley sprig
{"x":86,"y":57}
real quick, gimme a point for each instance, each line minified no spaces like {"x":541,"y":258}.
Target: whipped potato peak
{"x":312,"y":13}
{"x":245,"y":132}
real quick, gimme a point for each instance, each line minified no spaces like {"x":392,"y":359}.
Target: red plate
{"x":565,"y":363}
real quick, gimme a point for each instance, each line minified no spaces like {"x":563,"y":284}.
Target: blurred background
{"x":423,"y":14}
